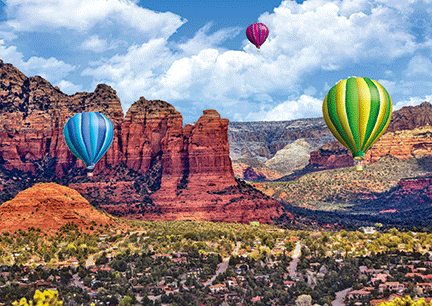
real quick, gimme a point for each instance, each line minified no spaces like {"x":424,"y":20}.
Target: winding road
{"x":294,"y":262}
{"x":223,"y":266}
{"x":340,"y":297}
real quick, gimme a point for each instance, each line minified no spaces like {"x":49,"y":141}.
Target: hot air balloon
{"x":89,"y":136}
{"x":357,"y":111}
{"x":257,"y":34}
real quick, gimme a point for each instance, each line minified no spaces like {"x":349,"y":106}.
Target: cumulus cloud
{"x":82,"y":15}
{"x":316,"y":37}
{"x":412,"y":101}
{"x":204,"y":40}
{"x":51,"y":68}
{"x":419,"y":65}
{"x":69,"y":87}
{"x":303,"y":107}
{"x":94,"y":43}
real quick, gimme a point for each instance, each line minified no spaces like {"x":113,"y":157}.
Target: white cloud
{"x":413,"y":101}
{"x":82,"y":15}
{"x":419,"y":65}
{"x":317,"y":35}
{"x":136,"y":72}
{"x":304,"y":107}
{"x":51,"y":68}
{"x":69,"y":87}
{"x":94,"y":43}
{"x":203,"y":40}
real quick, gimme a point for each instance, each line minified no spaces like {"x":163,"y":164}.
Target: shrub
{"x":48,"y":297}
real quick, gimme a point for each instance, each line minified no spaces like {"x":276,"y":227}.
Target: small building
{"x":356,"y":294}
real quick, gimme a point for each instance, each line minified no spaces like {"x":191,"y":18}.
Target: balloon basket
{"x":358,"y":165}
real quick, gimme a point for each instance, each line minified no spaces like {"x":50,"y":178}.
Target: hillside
{"x":49,"y":206}
{"x":390,"y":190}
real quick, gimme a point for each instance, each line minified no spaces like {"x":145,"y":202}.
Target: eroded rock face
{"x":154,"y":167}
{"x":402,"y":144}
{"x":331,"y":156}
{"x":411,"y":117}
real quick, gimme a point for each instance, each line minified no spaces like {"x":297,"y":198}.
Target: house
{"x":389,"y":299}
{"x":423,"y":287}
{"x":380,"y":277}
{"x":261,"y":277}
{"x":218,"y":288}
{"x":289,"y":283}
{"x":232,"y":282}
{"x":356,"y":294}
{"x":392,"y":286}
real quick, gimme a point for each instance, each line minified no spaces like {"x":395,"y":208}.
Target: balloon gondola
{"x":357,"y":111}
{"x":89,"y":136}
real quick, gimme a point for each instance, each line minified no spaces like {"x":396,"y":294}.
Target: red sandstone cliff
{"x":155,"y":168}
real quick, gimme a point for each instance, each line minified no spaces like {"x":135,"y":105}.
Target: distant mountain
{"x":254,"y":139}
{"x":49,"y":206}
{"x":252,"y":142}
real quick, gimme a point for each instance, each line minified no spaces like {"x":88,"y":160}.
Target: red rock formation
{"x":247,"y":172}
{"x":411,"y":117}
{"x":331,"y":156}
{"x":49,"y":207}
{"x":402,"y":144}
{"x":154,"y":167}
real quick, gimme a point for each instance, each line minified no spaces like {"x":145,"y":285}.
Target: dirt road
{"x":296,"y":258}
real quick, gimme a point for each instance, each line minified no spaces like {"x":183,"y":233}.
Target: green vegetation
{"x":176,"y":263}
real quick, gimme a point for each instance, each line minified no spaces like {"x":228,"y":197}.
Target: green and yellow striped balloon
{"x":357,"y":111}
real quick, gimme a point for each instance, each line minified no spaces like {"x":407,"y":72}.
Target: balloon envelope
{"x":89,"y":136}
{"x":257,"y":34}
{"x":357,"y":111}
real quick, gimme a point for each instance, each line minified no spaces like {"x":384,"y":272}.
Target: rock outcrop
{"x":402,"y":144}
{"x":154,"y":166}
{"x":411,"y":117}
{"x":49,"y":206}
{"x":292,"y":157}
{"x":330,"y":156}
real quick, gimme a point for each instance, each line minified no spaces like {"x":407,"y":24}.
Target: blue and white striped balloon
{"x":89,"y":136}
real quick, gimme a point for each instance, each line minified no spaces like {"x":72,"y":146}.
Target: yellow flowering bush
{"x":406,"y":301}
{"x":46,"y":298}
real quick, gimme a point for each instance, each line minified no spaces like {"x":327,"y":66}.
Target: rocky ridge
{"x":258,"y":142}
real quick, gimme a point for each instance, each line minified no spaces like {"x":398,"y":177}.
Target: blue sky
{"x":195,"y":55}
